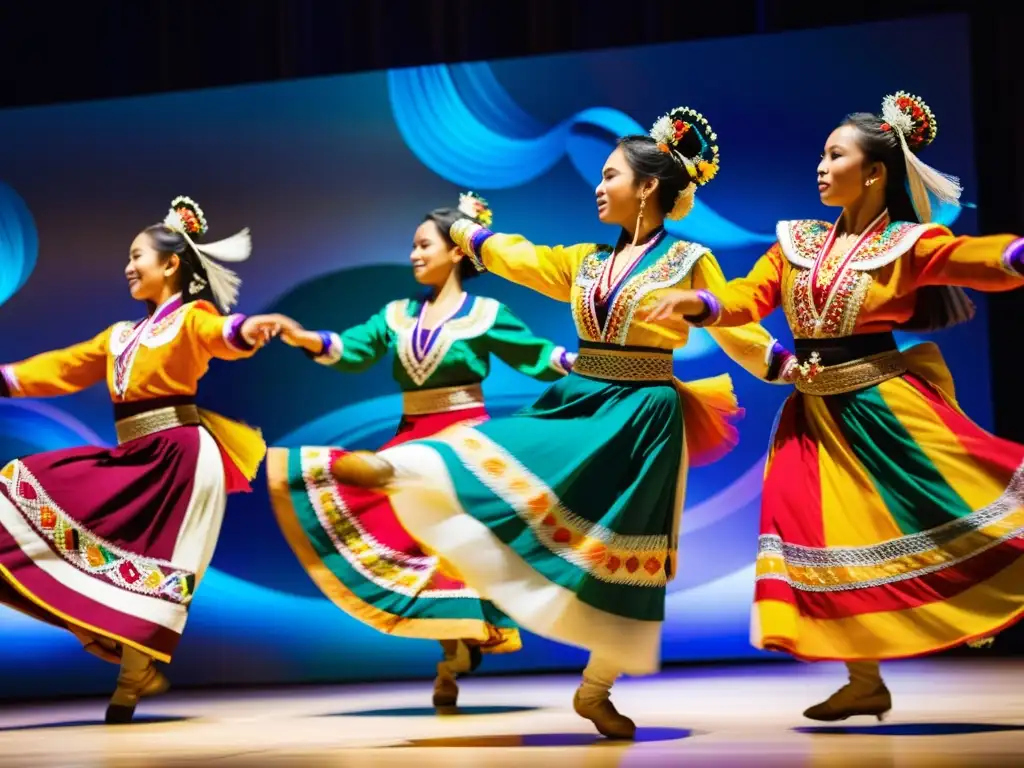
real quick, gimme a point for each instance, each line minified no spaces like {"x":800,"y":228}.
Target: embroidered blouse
{"x":877,"y":286}
{"x":456,"y":352}
{"x":163,"y":355}
{"x":606,"y":312}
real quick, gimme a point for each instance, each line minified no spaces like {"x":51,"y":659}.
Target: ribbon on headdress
{"x":921,"y":177}
{"x":223,"y":282}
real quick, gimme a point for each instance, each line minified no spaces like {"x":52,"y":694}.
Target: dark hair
{"x":443,"y":219}
{"x":883,"y":146}
{"x":167,"y":241}
{"x":936,"y":306}
{"x":648,"y":161}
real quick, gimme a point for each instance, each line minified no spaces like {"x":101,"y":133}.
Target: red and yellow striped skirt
{"x":891,"y":523}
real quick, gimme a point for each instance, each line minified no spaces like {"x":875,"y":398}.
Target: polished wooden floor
{"x":947,"y":713}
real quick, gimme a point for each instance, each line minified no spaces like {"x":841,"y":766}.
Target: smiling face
{"x":149,"y":272}
{"x":845,"y":174}
{"x":432,"y":257}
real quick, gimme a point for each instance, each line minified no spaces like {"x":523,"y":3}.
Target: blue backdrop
{"x":333,"y":175}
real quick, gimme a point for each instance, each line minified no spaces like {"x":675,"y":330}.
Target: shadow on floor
{"x":909,"y":729}
{"x":643,"y":735}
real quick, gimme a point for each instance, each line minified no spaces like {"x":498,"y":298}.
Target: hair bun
{"x":911,"y":117}
{"x":671,"y":132}
{"x":193,"y":220}
{"x":475,"y":207}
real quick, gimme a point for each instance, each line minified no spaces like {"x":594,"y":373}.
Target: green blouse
{"x":455,"y":353}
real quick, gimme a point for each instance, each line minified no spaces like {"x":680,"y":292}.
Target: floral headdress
{"x":476,"y":207}
{"x":702,"y":166}
{"x":915,"y":127}
{"x":188,"y":219}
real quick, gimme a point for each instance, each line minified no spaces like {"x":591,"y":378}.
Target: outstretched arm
{"x":351,"y":351}
{"x":992,"y":263}
{"x":515,"y":344}
{"x":547,"y":270}
{"x":712,"y":301}
{"x":750,"y":345}
{"x":234,"y":337}
{"x":61,"y":372}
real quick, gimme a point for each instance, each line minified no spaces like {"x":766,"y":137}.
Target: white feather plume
{"x":921,"y":177}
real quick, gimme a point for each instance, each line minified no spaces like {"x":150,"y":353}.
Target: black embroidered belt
{"x":841,"y":365}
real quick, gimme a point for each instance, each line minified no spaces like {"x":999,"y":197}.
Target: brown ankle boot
{"x":138,"y":679}
{"x":599,"y":710}
{"x":362,"y":469}
{"x":865,"y":694}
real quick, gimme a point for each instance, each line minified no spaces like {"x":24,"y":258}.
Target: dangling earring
{"x":869,"y":182}
{"x":196,"y":285}
{"x":639,"y":218}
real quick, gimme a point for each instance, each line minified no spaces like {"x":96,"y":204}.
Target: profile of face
{"x":148,"y":271}
{"x":619,"y":193}
{"x":845,"y":173}
{"x":432,"y":258}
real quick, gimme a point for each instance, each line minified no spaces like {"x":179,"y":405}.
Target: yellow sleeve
{"x":61,"y":372}
{"x":215,"y":335}
{"x":549,"y":270}
{"x":744,"y":300}
{"x":750,"y":345}
{"x":993,"y":263}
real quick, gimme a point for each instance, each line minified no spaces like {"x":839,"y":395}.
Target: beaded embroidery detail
{"x":88,"y":553}
{"x":669,"y":269}
{"x":476,"y":322}
{"x":826,"y":302}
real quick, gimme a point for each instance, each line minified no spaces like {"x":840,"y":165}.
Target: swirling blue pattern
{"x":461,"y":123}
{"x":19,"y":243}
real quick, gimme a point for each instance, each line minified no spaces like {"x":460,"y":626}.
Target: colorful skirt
{"x":351,"y":544}
{"x":566,"y":514}
{"x":112,"y":543}
{"x":891,"y":523}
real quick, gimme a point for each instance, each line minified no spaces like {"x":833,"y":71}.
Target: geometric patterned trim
{"x":821,"y":569}
{"x":638,"y":561}
{"x":476,"y":322}
{"x":387,"y":568}
{"x":88,"y":553}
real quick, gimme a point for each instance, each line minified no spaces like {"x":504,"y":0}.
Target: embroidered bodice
{"x":453,"y":352}
{"x":878,"y":285}
{"x":575,"y":273}
{"x":162,"y":355}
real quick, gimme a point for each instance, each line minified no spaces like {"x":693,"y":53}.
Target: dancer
{"x":111,"y":544}
{"x":347,"y":538}
{"x":890,"y":522}
{"x":566,"y":514}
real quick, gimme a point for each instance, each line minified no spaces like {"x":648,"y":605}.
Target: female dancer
{"x":891,"y":522}
{"x":566,"y":514}
{"x":112,"y":543}
{"x":347,"y":538}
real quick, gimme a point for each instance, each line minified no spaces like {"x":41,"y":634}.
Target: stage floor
{"x":946,"y":713}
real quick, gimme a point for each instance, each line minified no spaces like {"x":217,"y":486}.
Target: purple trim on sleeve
{"x":233,"y":333}
{"x":565,"y":360}
{"x":476,"y":244}
{"x":712,"y":310}
{"x":778,"y":357}
{"x":1013,"y":257}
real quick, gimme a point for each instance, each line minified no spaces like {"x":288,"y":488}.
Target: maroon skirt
{"x":111,"y":542}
